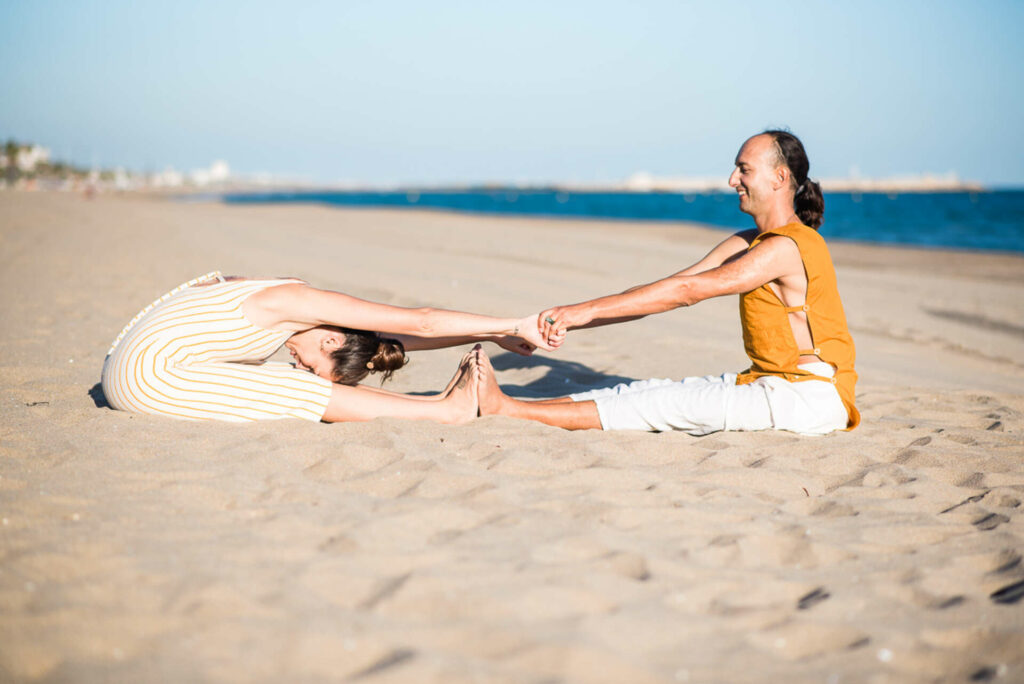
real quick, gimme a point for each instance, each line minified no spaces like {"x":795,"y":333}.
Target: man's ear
{"x":780,"y":177}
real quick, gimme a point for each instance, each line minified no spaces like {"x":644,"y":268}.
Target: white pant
{"x":712,"y":403}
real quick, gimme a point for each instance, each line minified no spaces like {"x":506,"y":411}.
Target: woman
{"x":197,"y":353}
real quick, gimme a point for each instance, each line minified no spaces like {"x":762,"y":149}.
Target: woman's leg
{"x":361,"y":403}
{"x":562,"y":412}
{"x":429,"y":397}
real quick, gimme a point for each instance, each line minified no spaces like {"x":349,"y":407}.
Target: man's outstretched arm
{"x":772,"y":259}
{"x":730,"y":248}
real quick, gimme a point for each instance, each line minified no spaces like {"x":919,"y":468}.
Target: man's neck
{"x":776,"y":218}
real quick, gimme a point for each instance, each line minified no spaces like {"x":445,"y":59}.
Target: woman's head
{"x":364,"y":353}
{"x":344,"y":355}
{"x":808,"y":202}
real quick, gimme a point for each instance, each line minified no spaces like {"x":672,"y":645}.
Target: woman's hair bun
{"x":390,"y":356}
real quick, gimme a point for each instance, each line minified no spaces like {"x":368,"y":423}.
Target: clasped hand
{"x":556,"y":322}
{"x":546,"y":331}
{"x":527,"y":337}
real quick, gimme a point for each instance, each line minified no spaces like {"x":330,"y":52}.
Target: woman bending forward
{"x":198,"y":353}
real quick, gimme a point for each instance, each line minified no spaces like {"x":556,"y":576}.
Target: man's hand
{"x":555,"y":323}
{"x":529,"y":330}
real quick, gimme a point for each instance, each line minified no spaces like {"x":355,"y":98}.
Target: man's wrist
{"x":584,"y":313}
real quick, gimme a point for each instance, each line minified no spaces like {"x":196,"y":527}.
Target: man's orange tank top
{"x":768,"y":336}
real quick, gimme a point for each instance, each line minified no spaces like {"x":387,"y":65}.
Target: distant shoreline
{"x":852,"y":187}
{"x":978,"y":221}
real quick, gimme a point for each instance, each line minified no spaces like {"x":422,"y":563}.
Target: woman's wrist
{"x":521,"y":326}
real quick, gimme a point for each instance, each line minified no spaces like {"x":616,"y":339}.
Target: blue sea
{"x":962,"y":220}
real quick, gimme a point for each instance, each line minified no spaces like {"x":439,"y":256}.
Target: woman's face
{"x":311,"y":350}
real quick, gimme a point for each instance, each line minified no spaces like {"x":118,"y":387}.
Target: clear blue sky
{"x":435,"y":92}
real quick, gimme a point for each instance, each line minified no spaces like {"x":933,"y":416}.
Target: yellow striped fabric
{"x":193,"y":354}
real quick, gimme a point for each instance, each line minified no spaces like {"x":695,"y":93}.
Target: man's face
{"x":754,"y":177}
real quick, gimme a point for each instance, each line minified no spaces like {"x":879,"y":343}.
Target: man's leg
{"x":697,"y":405}
{"x":562,"y":412}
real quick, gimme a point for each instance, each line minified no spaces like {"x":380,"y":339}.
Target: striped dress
{"x":192,"y":354}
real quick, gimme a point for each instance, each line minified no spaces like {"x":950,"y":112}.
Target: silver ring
{"x":549,"y":319}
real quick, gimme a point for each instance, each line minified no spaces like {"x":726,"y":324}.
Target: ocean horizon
{"x":982,"y":220}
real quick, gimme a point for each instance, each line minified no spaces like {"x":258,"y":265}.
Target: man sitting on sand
{"x":801,"y":376}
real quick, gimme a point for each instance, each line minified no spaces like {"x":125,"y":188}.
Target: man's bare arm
{"x":730,"y":248}
{"x":774,"y":258}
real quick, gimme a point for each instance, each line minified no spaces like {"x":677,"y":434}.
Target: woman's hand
{"x":556,"y":322}
{"x":514,"y":344}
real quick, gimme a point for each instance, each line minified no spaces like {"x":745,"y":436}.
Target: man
{"x":801,"y":376}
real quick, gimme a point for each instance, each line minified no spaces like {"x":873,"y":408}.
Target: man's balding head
{"x":771,"y":178}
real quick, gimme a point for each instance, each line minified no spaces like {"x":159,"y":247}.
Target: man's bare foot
{"x":462,"y":398}
{"x":491,"y":398}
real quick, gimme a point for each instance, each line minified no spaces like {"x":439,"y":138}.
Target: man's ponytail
{"x":808,"y":202}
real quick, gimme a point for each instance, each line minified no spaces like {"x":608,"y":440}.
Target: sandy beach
{"x":138,"y":548}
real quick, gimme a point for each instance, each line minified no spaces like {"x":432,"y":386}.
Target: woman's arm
{"x":299,"y":307}
{"x":512,"y":343}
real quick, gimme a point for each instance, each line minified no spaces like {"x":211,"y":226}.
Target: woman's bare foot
{"x":491,"y":398}
{"x":458,"y":372}
{"x":461,"y":400}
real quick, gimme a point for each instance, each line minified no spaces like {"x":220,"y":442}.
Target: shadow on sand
{"x":561,"y":378}
{"x":96,"y":394}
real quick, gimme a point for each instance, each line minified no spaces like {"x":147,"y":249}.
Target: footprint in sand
{"x":886,"y":476}
{"x":628,"y":564}
{"x":1011,"y":593}
{"x":355,"y":460}
{"x":819,"y":507}
{"x":390,"y":661}
{"x":990,"y":521}
{"x":930,"y":596}
{"x":908,"y":452}
{"x":982,"y":518}
{"x":986,"y":673}
{"x":797,"y":641}
{"x":813,"y":598}
{"x":995,"y":563}
{"x":1002,"y":500}
{"x":1007,"y":560}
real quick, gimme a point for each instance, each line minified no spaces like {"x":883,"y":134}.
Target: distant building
{"x":645,"y":182}
{"x":26,"y":158}
{"x":218,"y":173}
{"x":925,"y":182}
{"x":168,"y":178}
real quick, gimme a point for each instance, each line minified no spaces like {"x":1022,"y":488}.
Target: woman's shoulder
{"x":273,"y":305}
